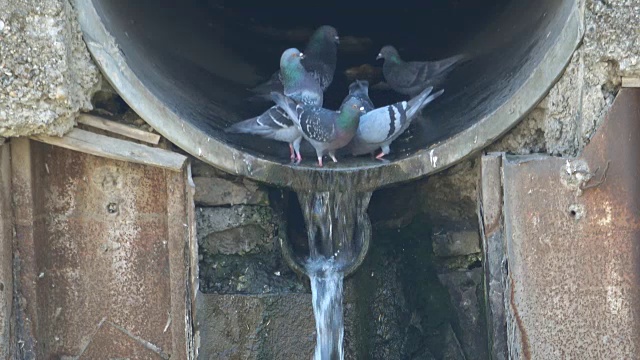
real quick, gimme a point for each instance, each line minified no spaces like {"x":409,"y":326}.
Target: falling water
{"x":338,"y":229}
{"x":326,"y":287}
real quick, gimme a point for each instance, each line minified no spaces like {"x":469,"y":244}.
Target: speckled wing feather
{"x":317,"y":123}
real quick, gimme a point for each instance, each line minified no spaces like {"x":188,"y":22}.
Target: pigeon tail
{"x":421,"y":100}
{"x":249,"y":126}
{"x":286,"y":104}
{"x":273,"y":84}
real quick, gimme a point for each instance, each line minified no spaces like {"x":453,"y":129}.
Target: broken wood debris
{"x":631,"y":82}
{"x":112,"y":148}
{"x":118,"y":128}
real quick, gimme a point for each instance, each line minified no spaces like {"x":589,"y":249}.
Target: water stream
{"x":338,"y":230}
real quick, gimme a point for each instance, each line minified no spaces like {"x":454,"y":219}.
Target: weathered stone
{"x":201,"y":168}
{"x":236,"y":241}
{"x":450,"y":195}
{"x":46,"y":74}
{"x":451,"y":349}
{"x":213,"y":191}
{"x":456,"y":243}
{"x":464,"y":287}
{"x":275,"y":327}
{"x":394,"y":207}
{"x":210,"y":220}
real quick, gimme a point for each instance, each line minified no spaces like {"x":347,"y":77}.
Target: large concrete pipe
{"x":185,"y":66}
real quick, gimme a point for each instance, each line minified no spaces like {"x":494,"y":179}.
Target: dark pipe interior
{"x":198,"y":56}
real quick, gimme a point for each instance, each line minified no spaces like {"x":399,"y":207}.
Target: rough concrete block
{"x":236,"y":230}
{"x":458,"y":243}
{"x":213,"y":191}
{"x":241,"y":327}
{"x":46,"y":74}
{"x":464,"y":288}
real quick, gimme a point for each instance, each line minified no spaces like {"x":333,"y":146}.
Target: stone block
{"x":213,"y":191}
{"x":240,"y":327}
{"x":457,"y":243}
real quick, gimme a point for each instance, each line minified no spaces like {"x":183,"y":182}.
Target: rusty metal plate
{"x":100,"y":254}
{"x":6,"y":236}
{"x":573,"y":244}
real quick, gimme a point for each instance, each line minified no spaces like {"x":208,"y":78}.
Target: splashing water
{"x":338,"y":229}
{"x":326,"y":287}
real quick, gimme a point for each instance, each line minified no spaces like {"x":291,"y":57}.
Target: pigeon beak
{"x":301,"y":56}
{"x":379,"y":57}
{"x":337,"y":39}
{"x":362,"y":109}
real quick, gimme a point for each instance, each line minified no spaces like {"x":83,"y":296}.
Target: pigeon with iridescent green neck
{"x":326,"y":130}
{"x":320,"y":61}
{"x":274,"y":123}
{"x":411,"y":77}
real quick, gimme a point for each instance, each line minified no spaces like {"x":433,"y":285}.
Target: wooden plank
{"x":100,"y":145}
{"x":117,"y":128}
{"x":629,"y":82}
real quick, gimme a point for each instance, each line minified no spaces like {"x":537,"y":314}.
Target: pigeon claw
{"x":333,"y":157}
{"x":293,"y":155}
{"x":319,"y":161}
{"x":379,"y":156}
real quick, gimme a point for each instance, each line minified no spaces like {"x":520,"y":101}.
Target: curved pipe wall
{"x":171,"y":64}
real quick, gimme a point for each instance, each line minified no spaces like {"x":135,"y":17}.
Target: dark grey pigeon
{"x":320,"y":61}
{"x":411,"y":77}
{"x":274,"y":123}
{"x":378,"y":128}
{"x":326,"y":130}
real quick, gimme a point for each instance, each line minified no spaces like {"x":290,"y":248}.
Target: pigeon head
{"x":349,"y":117}
{"x":291,"y":58}
{"x":388,"y":53}
{"x":352,"y":107}
{"x":290,"y":67}
{"x":325,"y":33}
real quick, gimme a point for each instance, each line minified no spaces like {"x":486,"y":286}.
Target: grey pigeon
{"x":326,"y":130}
{"x":378,"y":128}
{"x":360,"y":89}
{"x":411,"y":77}
{"x":320,"y":61}
{"x":298,"y":83}
{"x":274,"y":123}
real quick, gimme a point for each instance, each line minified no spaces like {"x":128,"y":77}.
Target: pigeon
{"x":326,"y":130}
{"x":274,"y":123}
{"x":321,"y":58}
{"x":378,"y":128}
{"x":411,"y":77}
{"x":298,"y":83}
{"x":359,"y":89}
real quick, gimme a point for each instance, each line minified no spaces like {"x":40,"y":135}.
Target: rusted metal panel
{"x":492,"y":232}
{"x":102,"y":256}
{"x":6,"y":236}
{"x":573,"y":243}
